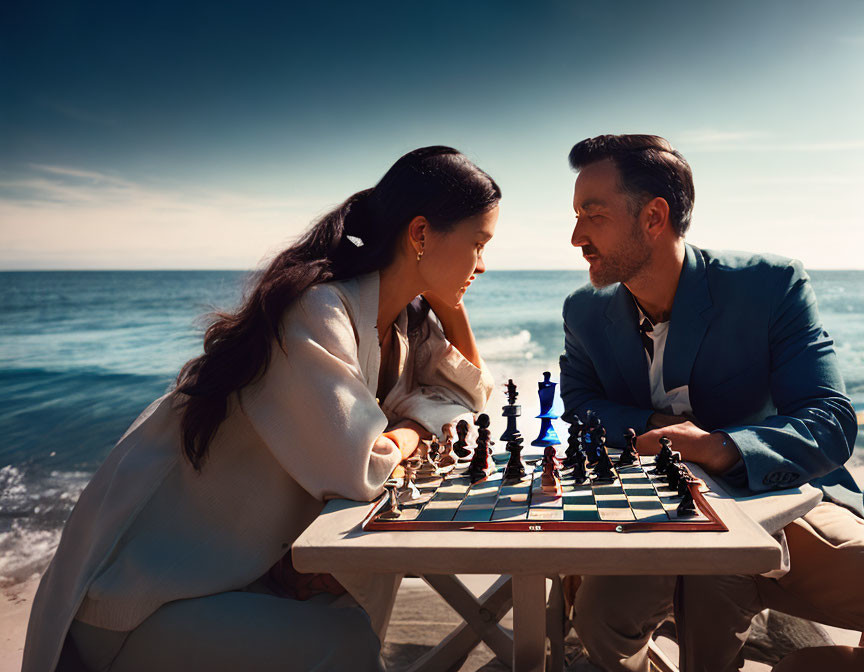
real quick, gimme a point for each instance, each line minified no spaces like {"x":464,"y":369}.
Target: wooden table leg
{"x":481,"y":615}
{"x":529,"y":622}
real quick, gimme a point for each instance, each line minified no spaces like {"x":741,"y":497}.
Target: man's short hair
{"x":648,"y":167}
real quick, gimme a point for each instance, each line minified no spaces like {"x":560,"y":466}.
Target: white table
{"x":335,"y":543}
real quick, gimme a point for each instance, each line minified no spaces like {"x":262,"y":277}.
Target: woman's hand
{"x":457,"y":328}
{"x":406,"y":435}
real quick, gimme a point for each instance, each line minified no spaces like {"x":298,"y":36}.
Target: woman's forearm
{"x":457,"y":328}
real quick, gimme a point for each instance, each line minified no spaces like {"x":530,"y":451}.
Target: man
{"x":724,"y":354}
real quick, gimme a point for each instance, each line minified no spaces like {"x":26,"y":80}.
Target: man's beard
{"x":623,"y":264}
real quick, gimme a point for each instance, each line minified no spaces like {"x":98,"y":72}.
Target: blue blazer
{"x":745,"y":336}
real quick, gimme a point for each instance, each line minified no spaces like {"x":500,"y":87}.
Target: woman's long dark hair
{"x":358,"y":237}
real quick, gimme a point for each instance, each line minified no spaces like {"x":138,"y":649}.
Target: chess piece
{"x":546,"y":391}
{"x":434,"y":448}
{"x":687,"y":507}
{"x":515,"y":469}
{"x":446,"y":461}
{"x":662,"y":459}
{"x":409,"y":491}
{"x":461,"y":445}
{"x":391,"y":510}
{"x":550,"y":480}
{"x":673,"y":471}
{"x":591,"y":438}
{"x":603,"y":472}
{"x":574,"y":437}
{"x":511,"y":411}
{"x":629,"y":455}
{"x":479,"y":467}
{"x":684,"y":479}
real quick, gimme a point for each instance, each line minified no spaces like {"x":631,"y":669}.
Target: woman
{"x":317,"y":387}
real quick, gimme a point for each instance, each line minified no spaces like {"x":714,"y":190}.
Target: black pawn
{"x":673,"y":470}
{"x":515,"y":469}
{"x":479,"y":467}
{"x":460,"y":448}
{"x":628,"y":455}
{"x":684,"y":480}
{"x":661,"y":462}
{"x":603,"y":472}
{"x":580,"y":473}
{"x":591,"y":439}
{"x":687,"y":507}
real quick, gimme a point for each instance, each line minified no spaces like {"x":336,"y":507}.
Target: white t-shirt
{"x":675,"y":401}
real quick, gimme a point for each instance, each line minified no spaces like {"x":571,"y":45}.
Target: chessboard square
{"x":513,"y":499}
{"x":443,"y":496}
{"x":616,"y":515}
{"x":455,"y":488}
{"x":579,"y":507}
{"x":651,"y":516}
{"x":639,"y":490}
{"x":578,"y":498}
{"x":473,"y":515}
{"x":482,"y":489}
{"x":613,"y":503}
{"x":545,"y":514}
{"x":516,"y":488}
{"x":581,"y":515}
{"x":510,"y":514}
{"x":482,"y":500}
{"x":547,"y":502}
{"x":645,"y":504}
{"x":409,"y":514}
{"x":618,"y":496}
{"x":443,"y":504}
{"x":434,"y":515}
{"x":608,"y":489}
{"x":471,"y":506}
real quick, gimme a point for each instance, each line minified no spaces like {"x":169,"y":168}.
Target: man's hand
{"x":712,"y":451}
{"x":664,"y":420}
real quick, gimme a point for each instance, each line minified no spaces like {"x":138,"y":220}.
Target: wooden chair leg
{"x":555,"y":619}
{"x":659,"y":661}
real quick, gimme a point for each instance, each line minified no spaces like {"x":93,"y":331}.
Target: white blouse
{"x":149,"y":529}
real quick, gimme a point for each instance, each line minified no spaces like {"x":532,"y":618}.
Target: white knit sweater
{"x":149,"y":529}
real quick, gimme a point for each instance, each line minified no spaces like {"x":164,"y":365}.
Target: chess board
{"x":634,"y":500}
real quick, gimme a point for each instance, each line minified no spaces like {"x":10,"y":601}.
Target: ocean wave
{"x":33,"y":510}
{"x":508,"y":347}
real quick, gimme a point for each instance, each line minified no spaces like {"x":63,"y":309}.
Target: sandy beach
{"x":420,"y":620}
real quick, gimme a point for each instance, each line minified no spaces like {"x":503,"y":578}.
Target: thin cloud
{"x":69,"y":186}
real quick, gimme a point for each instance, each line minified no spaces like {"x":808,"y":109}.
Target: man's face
{"x":612,"y":240}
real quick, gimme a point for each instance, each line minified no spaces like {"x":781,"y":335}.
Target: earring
{"x":419,"y":254}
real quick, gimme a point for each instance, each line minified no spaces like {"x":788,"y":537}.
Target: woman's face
{"x":451,"y":259}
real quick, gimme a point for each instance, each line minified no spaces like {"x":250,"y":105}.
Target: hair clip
{"x":357,"y":242}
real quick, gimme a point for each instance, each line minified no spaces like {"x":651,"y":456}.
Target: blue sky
{"x":208,"y":135}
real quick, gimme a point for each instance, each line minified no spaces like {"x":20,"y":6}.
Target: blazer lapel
{"x":623,"y":335}
{"x":688,"y":322}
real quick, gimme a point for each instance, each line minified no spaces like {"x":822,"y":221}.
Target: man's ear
{"x":417,"y":229}
{"x":655,"y":216}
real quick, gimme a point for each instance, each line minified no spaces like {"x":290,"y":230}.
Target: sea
{"x":83,"y":353}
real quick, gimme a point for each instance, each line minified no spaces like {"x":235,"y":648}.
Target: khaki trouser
{"x":615,"y":615}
